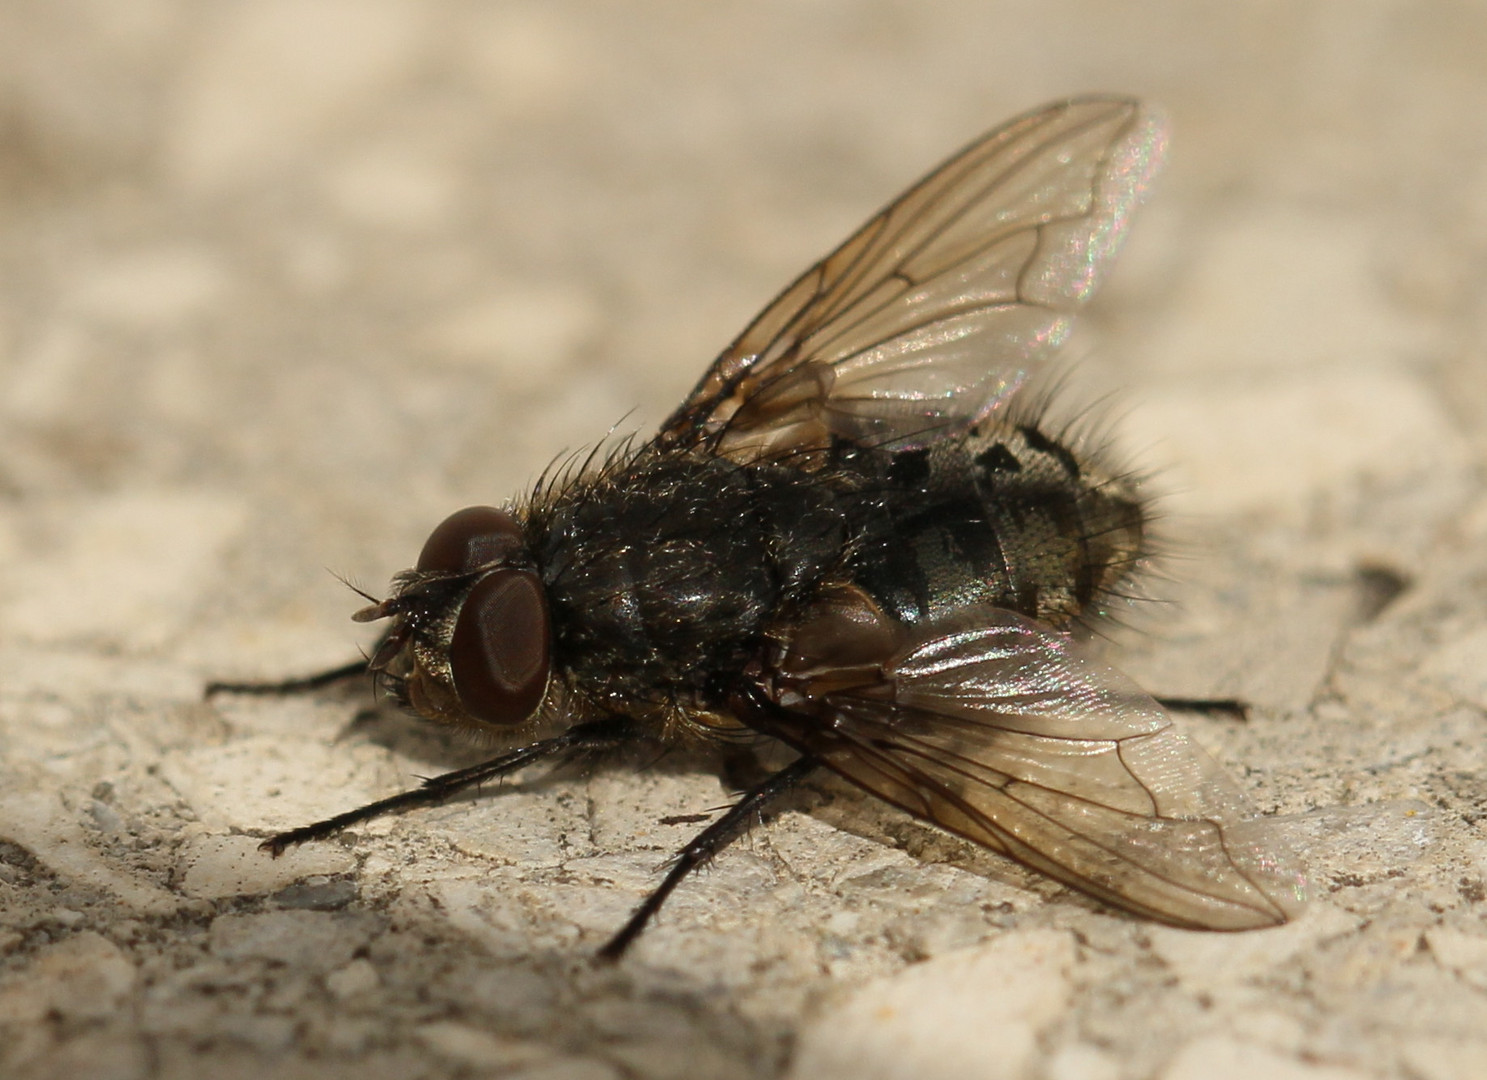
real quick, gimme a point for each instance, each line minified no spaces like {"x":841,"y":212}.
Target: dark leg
{"x":598,"y":735}
{"x":708,"y":843}
{"x":1236,"y":708}
{"x":289,"y":686}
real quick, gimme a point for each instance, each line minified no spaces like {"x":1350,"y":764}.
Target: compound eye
{"x":501,"y":652}
{"x":469,"y":539}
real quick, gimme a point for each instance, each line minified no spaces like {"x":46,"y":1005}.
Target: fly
{"x":859,"y":536}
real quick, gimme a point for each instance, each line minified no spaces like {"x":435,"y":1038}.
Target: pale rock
{"x":388,"y":189}
{"x":39,"y":822}
{"x":224,"y":866}
{"x":528,"y":332}
{"x":973,"y":1013}
{"x":356,"y":978}
{"x":266,"y":81}
{"x":122,"y":570}
{"x":1459,"y":666}
{"x":481,"y":1049}
{"x":269,"y":782}
{"x":1275,"y":439}
{"x":1445,"y":1059}
{"x":1275,"y":289}
{"x":152,"y":288}
{"x":289,"y":937}
{"x":1216,"y":1057}
{"x":85,"y":977}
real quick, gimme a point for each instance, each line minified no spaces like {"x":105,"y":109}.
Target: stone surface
{"x":284,"y":282}
{"x":972,"y":1012}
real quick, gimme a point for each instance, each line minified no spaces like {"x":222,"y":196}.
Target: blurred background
{"x":358,"y":261}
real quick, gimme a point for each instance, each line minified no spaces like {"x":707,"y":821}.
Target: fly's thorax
{"x":664,"y":569}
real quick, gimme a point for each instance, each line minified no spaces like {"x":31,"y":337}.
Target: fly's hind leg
{"x":708,"y":843}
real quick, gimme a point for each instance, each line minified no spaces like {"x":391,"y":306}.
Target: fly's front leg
{"x":302,"y":685}
{"x":367,"y":665}
{"x":597,"y":736}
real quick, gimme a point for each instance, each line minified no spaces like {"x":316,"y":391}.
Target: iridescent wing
{"x":1006,"y":733}
{"x":935,"y":311}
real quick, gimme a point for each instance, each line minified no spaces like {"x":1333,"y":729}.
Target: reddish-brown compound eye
{"x":469,"y":539}
{"x":501,"y":651}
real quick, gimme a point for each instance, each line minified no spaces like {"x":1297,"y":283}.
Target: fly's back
{"x":664,"y":569}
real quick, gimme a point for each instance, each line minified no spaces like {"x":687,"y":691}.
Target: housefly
{"x":860,"y":536}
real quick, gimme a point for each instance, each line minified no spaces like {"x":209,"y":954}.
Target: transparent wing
{"x":934,"y":312}
{"x":1007,"y":734}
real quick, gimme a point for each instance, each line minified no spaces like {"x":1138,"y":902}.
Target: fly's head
{"x":471,"y":639}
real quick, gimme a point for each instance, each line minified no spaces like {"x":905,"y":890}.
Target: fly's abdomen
{"x":1012,"y":519}
{"x":1071,"y":528}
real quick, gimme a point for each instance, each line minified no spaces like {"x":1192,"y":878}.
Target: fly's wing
{"x":1005,"y":733}
{"x":936,"y":310}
